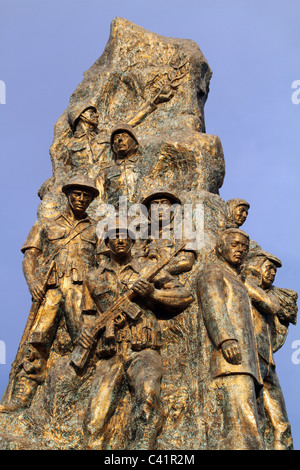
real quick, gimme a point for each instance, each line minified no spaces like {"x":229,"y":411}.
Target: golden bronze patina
{"x":154,"y":318}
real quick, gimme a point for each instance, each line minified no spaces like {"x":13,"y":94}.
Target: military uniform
{"x":84,"y":153}
{"x":271,"y":394}
{"x":226,"y":314}
{"x":58,"y":253}
{"x":74,"y":249}
{"x":121,"y":180}
{"x":84,"y":150}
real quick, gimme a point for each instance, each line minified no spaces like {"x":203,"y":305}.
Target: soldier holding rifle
{"x":129,"y":347}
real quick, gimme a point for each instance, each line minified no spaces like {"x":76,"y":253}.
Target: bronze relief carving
{"x":151,"y":333}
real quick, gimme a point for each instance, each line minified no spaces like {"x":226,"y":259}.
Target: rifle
{"x":30,"y":321}
{"x":80,"y":354}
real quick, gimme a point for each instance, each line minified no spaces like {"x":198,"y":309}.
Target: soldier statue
{"x":129,"y":348}
{"x":162,"y":238}
{"x":81,"y":149}
{"x":260,"y":270}
{"x":121,"y":177}
{"x":237,"y":212}
{"x":229,"y":341}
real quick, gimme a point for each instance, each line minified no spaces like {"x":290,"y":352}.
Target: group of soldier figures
{"x":112,"y":293}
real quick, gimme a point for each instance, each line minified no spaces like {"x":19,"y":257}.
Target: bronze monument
{"x":154,"y":318}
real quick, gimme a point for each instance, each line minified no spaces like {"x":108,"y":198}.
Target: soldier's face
{"x":240,"y":214}
{"x":91,"y":116}
{"x":79,"y":200}
{"x":235,"y":249}
{"x":121,"y":245}
{"x":123,"y":144}
{"x":268,"y":272}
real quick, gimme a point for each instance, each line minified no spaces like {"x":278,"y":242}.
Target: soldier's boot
{"x":23,"y":397}
{"x":286,"y":445}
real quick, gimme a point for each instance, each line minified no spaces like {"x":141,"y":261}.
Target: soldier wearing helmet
{"x":128,"y":351}
{"x":270,"y":322}
{"x":122,"y":176}
{"x":161,"y":206}
{"x":123,"y":141}
{"x":67,"y":243}
{"x":85,"y":151}
{"x":237,"y":212}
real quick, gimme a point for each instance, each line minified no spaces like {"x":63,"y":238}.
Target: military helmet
{"x":116,"y":225}
{"x":259,"y":254}
{"x":123,"y":127}
{"x":231,"y":230}
{"x":83,"y":182}
{"x":273,"y":259}
{"x":76,"y":110}
{"x":237,"y":202}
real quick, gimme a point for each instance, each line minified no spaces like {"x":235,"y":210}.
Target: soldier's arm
{"x":266,"y":302}
{"x":169,"y":293}
{"x":88,"y":306}
{"x":212,"y":302}
{"x":164,"y":95}
{"x":30,"y":264}
{"x":182,"y":263}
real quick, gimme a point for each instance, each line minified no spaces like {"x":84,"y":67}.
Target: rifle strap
{"x":67,"y":241}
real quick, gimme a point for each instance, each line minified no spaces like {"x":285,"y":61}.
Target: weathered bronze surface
{"x":154,"y":318}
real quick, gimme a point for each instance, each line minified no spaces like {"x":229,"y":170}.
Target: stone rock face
{"x":136,"y":66}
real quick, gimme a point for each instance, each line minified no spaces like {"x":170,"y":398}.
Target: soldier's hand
{"x":143,"y":287}
{"x":86,"y":338}
{"x":165,"y":94}
{"x":231,"y":352}
{"x":37,"y":291}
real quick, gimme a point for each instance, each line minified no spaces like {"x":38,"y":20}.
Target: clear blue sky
{"x":253,"y":49}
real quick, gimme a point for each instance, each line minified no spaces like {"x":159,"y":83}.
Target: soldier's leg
{"x":45,"y":325}
{"x":144,"y":378}
{"x":106,"y":386}
{"x":275,"y":409}
{"x":72,"y":306}
{"x":34,"y":363}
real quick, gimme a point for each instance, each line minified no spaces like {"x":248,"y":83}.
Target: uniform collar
{"x":132,"y":159}
{"x":134,"y":265}
{"x":66,"y":216}
{"x":232,"y":271}
{"x":90,"y":133}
